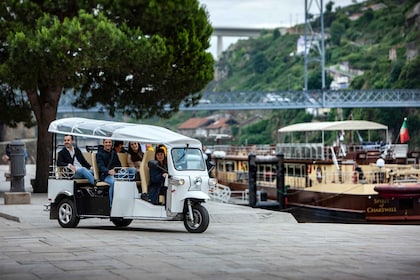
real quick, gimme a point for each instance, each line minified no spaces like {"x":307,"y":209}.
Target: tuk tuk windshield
{"x":188,"y":159}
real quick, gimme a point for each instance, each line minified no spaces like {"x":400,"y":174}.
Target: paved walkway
{"x":240,"y":243}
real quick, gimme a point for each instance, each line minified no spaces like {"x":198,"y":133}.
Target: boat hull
{"x":312,"y":206}
{"x":318,"y":214}
{"x":337,"y":187}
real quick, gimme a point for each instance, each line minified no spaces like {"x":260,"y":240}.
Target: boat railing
{"x":244,"y":150}
{"x":302,"y":150}
{"x":318,"y":151}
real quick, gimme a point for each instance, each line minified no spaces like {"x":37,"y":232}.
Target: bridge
{"x":221,"y":32}
{"x":316,"y":99}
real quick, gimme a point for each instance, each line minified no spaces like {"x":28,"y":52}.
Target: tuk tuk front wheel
{"x":200,"y":220}
{"x":66,"y":213}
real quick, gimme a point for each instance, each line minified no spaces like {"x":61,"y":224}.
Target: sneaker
{"x":144,"y":196}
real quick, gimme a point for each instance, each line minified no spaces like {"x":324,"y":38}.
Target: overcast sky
{"x":260,"y":13}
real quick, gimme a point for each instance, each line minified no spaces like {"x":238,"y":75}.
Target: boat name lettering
{"x":381,"y":210}
{"x":380,"y":201}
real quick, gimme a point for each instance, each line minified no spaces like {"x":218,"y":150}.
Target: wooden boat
{"x":345,"y":181}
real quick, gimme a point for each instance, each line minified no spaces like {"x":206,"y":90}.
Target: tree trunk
{"x":1,"y":132}
{"x":44,"y":105}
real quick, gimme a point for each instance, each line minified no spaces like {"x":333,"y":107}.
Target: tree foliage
{"x":119,"y":55}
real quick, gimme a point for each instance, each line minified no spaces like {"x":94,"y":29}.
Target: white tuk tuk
{"x":187,"y":183}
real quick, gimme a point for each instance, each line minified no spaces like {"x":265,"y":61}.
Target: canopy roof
{"x":334,"y":126}
{"x":100,"y":129}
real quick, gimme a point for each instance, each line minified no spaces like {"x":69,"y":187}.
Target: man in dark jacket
{"x":73,"y":158}
{"x":107,"y":161}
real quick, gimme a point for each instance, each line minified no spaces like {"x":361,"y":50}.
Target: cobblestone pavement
{"x":240,"y":243}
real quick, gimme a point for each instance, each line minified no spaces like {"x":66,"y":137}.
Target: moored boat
{"x":340,"y":178}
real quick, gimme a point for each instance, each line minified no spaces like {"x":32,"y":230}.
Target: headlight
{"x":196,"y":184}
{"x":197,"y":181}
{"x":176,"y":181}
{"x":212,"y":182}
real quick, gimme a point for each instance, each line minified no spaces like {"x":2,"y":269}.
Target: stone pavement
{"x":240,"y":243}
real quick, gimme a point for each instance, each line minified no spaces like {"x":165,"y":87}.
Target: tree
{"x":337,"y":31}
{"x":121,"y":55}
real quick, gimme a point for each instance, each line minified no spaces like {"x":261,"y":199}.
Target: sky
{"x":259,"y":14}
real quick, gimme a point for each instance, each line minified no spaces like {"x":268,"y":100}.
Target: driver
{"x":157,"y":177}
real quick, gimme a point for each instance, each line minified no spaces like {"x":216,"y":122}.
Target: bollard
{"x":17,"y":166}
{"x":281,"y":189}
{"x":263,"y":195}
{"x":252,"y":180}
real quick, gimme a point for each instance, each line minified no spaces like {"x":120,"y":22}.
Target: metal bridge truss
{"x":385,"y":98}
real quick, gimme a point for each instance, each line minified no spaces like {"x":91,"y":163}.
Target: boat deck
{"x":357,"y":189}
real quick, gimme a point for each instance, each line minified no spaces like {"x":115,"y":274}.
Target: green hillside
{"x":361,"y":36}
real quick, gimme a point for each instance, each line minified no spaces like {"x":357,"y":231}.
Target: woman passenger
{"x":135,"y":155}
{"x":157,"y":177}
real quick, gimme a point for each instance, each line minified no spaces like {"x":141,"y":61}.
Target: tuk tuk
{"x":188,"y":181}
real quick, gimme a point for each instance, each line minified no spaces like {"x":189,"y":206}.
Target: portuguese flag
{"x":404,"y":136}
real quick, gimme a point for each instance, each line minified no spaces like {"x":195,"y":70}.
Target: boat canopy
{"x":101,"y":129}
{"x":334,"y":126}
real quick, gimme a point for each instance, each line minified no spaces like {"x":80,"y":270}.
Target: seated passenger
{"x":157,"y":177}
{"x":119,"y":147}
{"x":161,"y":146}
{"x":107,"y":161}
{"x":135,"y":155}
{"x":73,"y":158}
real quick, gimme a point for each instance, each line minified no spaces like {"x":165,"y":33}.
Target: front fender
{"x":196,"y":195}
{"x":54,"y":205}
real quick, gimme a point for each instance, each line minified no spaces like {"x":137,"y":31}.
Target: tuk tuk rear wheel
{"x":201,"y":219}
{"x":119,"y":222}
{"x":66,"y":213}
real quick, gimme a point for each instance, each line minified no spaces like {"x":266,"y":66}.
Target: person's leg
{"x":154,"y":194}
{"x":127,"y":174}
{"x":110,"y":180}
{"x":132,"y":173}
{"x":85,"y":173}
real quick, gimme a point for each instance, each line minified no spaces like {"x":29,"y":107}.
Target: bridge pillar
{"x":219,"y":45}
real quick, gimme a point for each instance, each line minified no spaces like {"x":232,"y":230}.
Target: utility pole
{"x":312,"y":39}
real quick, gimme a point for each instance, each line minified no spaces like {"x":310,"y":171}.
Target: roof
{"x":101,"y":129}
{"x":194,"y":123}
{"x":334,"y":126}
{"x":223,"y":122}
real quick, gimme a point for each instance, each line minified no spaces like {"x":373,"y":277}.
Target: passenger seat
{"x":96,"y":172}
{"x":144,"y":170}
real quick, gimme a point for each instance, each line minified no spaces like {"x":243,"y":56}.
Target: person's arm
{"x":62,"y":159}
{"x":115,"y":161}
{"x":130,"y":162}
{"x":103,"y":169}
{"x":81,"y":158}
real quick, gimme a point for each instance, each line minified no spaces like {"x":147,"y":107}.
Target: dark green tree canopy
{"x":135,"y":56}
{"x":140,"y":57}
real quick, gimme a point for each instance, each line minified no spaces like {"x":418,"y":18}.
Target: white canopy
{"x":334,"y":126}
{"x":100,"y":129}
